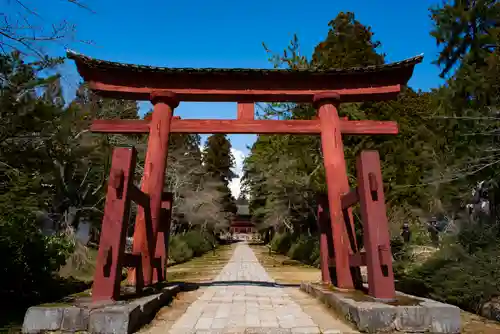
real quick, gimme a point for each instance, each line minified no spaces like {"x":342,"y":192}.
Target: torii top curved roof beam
{"x":137,"y":82}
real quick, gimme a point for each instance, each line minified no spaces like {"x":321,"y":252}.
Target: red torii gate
{"x":165,"y":87}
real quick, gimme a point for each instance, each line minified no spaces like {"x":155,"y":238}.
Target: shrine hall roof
{"x":93,"y":63}
{"x":243,"y":210}
{"x":137,"y":82}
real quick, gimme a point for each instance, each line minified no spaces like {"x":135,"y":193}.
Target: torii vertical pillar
{"x":336,"y":177}
{"x":152,"y":184}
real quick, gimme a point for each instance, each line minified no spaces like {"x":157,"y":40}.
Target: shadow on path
{"x":190,"y":286}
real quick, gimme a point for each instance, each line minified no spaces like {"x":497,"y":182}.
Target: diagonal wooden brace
{"x":375,"y":226}
{"x":110,"y":257}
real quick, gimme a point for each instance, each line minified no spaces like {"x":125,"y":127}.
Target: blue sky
{"x":230,"y":34}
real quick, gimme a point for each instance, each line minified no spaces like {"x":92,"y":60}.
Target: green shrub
{"x":281,"y":243}
{"x":454,"y":276}
{"x":315,"y":257}
{"x":29,"y":259}
{"x":474,"y":237}
{"x":191,"y":244}
{"x":178,"y":250}
{"x":302,"y":249}
{"x":198,"y":242}
{"x":397,"y":247}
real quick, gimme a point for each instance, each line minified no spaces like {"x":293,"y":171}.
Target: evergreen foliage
{"x":218,"y":162}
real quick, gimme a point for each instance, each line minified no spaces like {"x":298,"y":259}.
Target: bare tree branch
{"x":28,"y":31}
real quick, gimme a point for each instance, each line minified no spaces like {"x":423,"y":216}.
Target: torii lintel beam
{"x":202,"y":126}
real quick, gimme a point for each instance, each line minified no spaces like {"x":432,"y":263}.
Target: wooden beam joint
{"x":138,"y":196}
{"x":349,"y":199}
{"x":167,"y":97}
{"x":246,"y":111}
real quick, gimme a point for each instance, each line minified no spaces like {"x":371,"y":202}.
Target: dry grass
{"x":80,"y":265}
{"x":474,"y":324}
{"x":203,"y":268}
{"x":284,"y":270}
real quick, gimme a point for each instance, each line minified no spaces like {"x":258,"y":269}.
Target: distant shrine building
{"x":242,"y":227}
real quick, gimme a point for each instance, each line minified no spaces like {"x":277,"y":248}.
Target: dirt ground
{"x":287,"y":271}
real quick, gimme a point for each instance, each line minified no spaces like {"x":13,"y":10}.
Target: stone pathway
{"x":244,"y":299}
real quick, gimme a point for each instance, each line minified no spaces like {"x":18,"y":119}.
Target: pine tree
{"x":218,"y":162}
{"x":347,"y":44}
{"x":468,"y":30}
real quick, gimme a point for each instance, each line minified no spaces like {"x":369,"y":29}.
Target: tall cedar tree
{"x":347,"y":44}
{"x":467,"y":30}
{"x":218,"y":162}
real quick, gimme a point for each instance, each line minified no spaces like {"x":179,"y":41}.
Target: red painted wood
{"x":152,"y":184}
{"x":349,"y":199}
{"x":110,"y":257}
{"x":246,"y":126}
{"x":375,"y":227}
{"x":358,"y":259}
{"x":342,"y":179}
{"x":246,"y":111}
{"x":148,"y":118}
{"x":349,"y":222}
{"x":323,"y":239}
{"x":333,"y":155}
{"x":292,"y":94}
{"x":120,"y":126}
{"x":202,"y":126}
{"x":161,"y":250}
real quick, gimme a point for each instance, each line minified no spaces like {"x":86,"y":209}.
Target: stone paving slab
{"x":245,"y":299}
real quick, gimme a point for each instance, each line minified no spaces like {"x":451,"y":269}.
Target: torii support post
{"x":152,"y":185}
{"x":161,"y":251}
{"x":325,"y":237}
{"x":336,"y":179}
{"x":375,"y":227}
{"x":110,"y":257}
